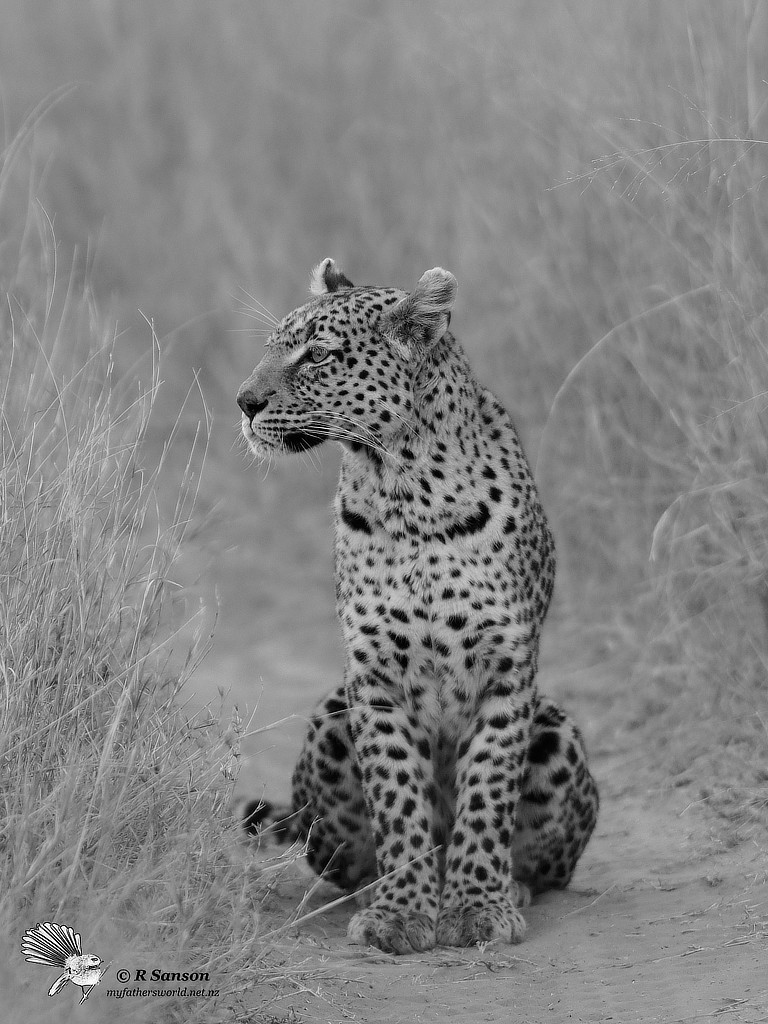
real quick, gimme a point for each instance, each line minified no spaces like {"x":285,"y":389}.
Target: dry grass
{"x":113,"y":797}
{"x":674,"y":405}
{"x":595,"y":178}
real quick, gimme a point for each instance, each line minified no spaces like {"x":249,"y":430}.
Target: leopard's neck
{"x":438,"y":475}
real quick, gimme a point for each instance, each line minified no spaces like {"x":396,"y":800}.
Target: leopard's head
{"x":343,"y":365}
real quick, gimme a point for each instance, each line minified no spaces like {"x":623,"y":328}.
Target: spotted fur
{"x":436,"y":768}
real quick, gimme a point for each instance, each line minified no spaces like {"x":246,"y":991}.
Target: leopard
{"x":435,"y":777}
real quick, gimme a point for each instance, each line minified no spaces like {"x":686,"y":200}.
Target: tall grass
{"x":113,"y":796}
{"x":671,"y":402}
{"x":594,"y":174}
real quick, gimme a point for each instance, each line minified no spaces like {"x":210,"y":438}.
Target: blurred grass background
{"x":594,"y":175}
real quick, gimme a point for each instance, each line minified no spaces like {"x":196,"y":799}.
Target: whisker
{"x":257,"y":316}
{"x":269,"y":459}
{"x":339,"y":432}
{"x":359,"y":429}
{"x":409,"y":426}
{"x":313,"y":458}
{"x":342,"y":416}
{"x":259,"y":306}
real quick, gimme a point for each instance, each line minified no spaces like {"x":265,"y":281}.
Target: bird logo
{"x":57,"y":945}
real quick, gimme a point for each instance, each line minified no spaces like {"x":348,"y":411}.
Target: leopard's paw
{"x":461,"y":925}
{"x":392,"y":932}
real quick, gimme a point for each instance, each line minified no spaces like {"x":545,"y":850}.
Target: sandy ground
{"x":666,"y":920}
{"x":663,"y":923}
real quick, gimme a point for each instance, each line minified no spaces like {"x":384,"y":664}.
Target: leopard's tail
{"x":260,"y":819}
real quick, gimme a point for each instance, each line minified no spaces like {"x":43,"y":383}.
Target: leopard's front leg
{"x":480,"y":898}
{"x":395,"y":763}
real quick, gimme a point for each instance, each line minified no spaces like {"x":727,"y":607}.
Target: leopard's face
{"x":328,"y":373}
{"x":339,"y":367}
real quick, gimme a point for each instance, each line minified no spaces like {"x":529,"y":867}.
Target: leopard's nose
{"x":253,"y":402}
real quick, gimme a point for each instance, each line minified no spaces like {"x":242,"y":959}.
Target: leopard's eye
{"x":317,"y":353}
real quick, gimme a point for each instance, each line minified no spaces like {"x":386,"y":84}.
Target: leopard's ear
{"x":326,"y":277}
{"x":423,"y":316}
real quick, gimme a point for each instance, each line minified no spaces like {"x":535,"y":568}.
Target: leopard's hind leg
{"x":558,"y":805}
{"x":328,"y":808}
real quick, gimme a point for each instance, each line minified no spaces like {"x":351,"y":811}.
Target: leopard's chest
{"x":436,"y":620}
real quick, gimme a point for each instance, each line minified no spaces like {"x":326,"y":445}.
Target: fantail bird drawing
{"x":57,"y":945}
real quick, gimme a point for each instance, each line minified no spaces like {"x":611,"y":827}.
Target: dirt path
{"x":666,"y":920}
{"x":663,"y":923}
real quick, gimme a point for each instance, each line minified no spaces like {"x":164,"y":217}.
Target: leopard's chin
{"x":276,"y":443}
{"x":301,"y":440}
